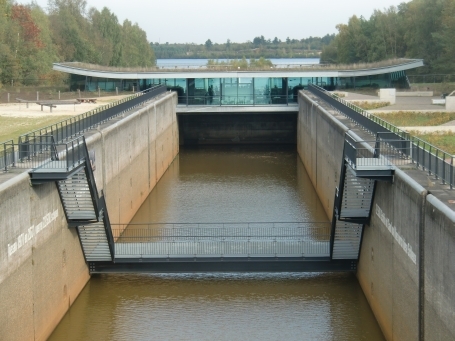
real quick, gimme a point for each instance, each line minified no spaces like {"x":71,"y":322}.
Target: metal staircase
{"x":361,"y":167}
{"x":96,"y":239}
{"x":71,"y":169}
{"x":77,"y":198}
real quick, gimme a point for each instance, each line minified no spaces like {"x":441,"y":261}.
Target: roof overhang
{"x":68,"y":68}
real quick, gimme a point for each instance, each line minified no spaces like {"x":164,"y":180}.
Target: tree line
{"x":422,"y":29}
{"x":31,"y":39}
{"x":258,"y":47}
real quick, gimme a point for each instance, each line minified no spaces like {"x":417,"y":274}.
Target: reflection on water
{"x":220,"y":307}
{"x":225,"y":184}
{"x":233,"y":184}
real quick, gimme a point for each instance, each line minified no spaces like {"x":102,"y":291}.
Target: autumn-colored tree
{"x":29,"y":29}
{"x":31,"y":40}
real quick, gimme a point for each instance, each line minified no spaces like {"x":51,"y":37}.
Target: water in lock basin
{"x":225,"y":184}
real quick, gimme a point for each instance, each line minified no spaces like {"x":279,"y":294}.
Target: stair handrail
{"x":107,"y":225}
{"x":90,"y":176}
{"x":99,"y":202}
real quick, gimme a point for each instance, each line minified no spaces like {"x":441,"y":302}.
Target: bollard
{"x":79,"y":93}
{"x":37,"y":95}
{"x":8,"y":97}
{"x":133,"y":88}
{"x":116,"y":90}
{"x":59,"y":94}
{"x":99,"y":92}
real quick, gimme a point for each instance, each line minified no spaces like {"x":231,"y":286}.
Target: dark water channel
{"x":225,"y":184}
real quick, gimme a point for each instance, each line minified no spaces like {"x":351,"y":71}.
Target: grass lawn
{"x":365,"y":105}
{"x":12,"y":127}
{"x":417,"y":119}
{"x":442,"y":140}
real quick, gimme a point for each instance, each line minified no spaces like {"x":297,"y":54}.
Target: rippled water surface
{"x":225,"y":184}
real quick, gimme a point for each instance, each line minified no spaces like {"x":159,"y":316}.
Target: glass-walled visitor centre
{"x":206,"y":87}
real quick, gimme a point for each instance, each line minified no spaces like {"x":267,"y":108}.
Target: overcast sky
{"x":185,"y":21}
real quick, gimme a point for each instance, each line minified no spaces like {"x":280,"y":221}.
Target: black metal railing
{"x":107,"y":224}
{"x":423,"y":154}
{"x":33,"y":146}
{"x":223,"y":239}
{"x":7,"y":154}
{"x":32,"y":154}
{"x":237,"y":100}
{"x":77,"y":125}
{"x":43,"y":152}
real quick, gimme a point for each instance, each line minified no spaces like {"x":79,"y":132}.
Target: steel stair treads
{"x":94,"y":242}
{"x":346,"y":244}
{"x":77,"y":197}
{"x":357,"y":196}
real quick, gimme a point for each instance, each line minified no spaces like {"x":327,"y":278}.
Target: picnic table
{"x":48,"y":103}
{"x":86,"y":100}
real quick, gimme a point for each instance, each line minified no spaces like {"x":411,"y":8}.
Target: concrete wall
{"x":388,"y":269}
{"x":414,"y":94}
{"x":234,"y":128}
{"x":388,"y":95}
{"x":407,"y":261}
{"x":439,"y":275}
{"x":320,"y":141}
{"x":133,"y":154}
{"x":450,"y":103}
{"x":42,"y":268}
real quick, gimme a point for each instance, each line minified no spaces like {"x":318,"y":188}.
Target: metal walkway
{"x":68,"y":165}
{"x":216,"y":247}
{"x":362,"y":165}
{"x":250,"y":247}
{"x":222,"y":247}
{"x":269,"y":247}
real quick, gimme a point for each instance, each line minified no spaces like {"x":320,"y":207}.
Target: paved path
{"x":359,"y":97}
{"x":448,"y":124}
{"x":417,"y":103}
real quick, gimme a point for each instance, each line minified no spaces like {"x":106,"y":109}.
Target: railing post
{"x":444,"y":169}
{"x":429,"y":161}
{"x":451,"y":173}
{"x":67,"y":157}
{"x":4,"y":155}
{"x":418,"y":154}
{"x":423,"y":156}
{"x":14,"y":154}
{"x":72,"y":152}
{"x":437,"y":164}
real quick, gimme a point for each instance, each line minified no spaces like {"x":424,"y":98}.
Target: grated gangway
{"x":222,"y":247}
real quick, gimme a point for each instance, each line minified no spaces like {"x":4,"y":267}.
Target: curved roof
{"x":316,"y":71}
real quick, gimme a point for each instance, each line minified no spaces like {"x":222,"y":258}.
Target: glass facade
{"x":238,"y":91}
